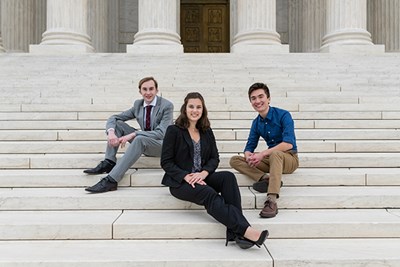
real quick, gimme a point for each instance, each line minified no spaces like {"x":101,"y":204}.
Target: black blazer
{"x":177,"y":154}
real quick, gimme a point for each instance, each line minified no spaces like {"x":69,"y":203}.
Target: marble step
{"x":91,"y":147}
{"x":307,"y":160}
{"x":216,"y":124}
{"x":152,"y":177}
{"x":213,"y":115}
{"x":220,"y":134}
{"x":352,"y":252}
{"x":349,"y":107}
{"x":297,"y":223}
{"x":147,"y":198}
{"x":194,"y":224}
{"x":122,"y":253}
{"x":51,"y":93}
{"x":221,"y":98}
{"x":291,"y":106}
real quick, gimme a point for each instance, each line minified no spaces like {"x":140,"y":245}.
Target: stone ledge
{"x":122,"y":253}
{"x":152,"y":177}
{"x":194,"y":224}
{"x":148,"y":198}
{"x":307,"y":160}
{"x":298,"y":223}
{"x":79,"y":199}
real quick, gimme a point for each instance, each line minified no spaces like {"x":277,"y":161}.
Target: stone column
{"x":346,"y":28}
{"x":257,"y":28}
{"x":2,"y":50}
{"x":306,"y":25}
{"x":67,"y":28}
{"x":158,"y":28}
{"x":18,"y":24}
{"x":384,"y":23}
{"x":98,"y":24}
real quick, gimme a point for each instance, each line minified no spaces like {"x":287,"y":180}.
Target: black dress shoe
{"x":245,"y":243}
{"x":104,"y":166}
{"x":104,"y":185}
{"x":230,"y":236}
{"x":262,"y":185}
{"x":264,"y":234}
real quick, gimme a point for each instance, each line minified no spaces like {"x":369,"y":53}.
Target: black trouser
{"x":225,"y":207}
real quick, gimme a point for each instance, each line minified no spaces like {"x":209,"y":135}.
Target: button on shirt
{"x":277,"y":127}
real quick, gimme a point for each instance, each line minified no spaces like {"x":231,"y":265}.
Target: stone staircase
{"x":341,"y":207}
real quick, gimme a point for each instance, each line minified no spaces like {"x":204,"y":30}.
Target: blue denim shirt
{"x":277,"y":127}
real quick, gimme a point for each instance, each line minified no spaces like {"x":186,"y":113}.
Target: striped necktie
{"x":148,"y":115}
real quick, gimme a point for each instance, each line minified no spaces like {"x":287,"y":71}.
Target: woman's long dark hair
{"x":203,"y":123}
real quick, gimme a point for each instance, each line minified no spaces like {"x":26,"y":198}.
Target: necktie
{"x":147,"y":126}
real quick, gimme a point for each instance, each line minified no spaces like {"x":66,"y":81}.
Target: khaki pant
{"x":276,"y":164}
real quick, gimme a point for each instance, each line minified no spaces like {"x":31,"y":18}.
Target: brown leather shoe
{"x":270,"y":209}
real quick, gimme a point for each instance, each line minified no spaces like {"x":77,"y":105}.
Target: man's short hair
{"x":256,"y":86}
{"x":146,"y":79}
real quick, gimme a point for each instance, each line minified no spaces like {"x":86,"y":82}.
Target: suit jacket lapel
{"x":188,"y":140}
{"x":155,"y":111}
{"x":140,"y":116}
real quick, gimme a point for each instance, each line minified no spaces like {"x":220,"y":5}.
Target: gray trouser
{"x":138,"y":146}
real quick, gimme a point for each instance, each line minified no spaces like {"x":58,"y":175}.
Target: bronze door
{"x":205,"y":26}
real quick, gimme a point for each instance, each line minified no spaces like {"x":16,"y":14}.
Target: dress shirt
{"x":277,"y":127}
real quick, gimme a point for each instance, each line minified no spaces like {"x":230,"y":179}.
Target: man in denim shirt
{"x":276,"y":127}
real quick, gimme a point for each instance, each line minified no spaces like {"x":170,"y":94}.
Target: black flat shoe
{"x":104,"y":185}
{"x":104,"y":166}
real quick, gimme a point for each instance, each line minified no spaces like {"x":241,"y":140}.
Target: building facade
{"x":205,"y":26}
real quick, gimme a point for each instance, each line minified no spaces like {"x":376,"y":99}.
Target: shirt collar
{"x":269,"y":115}
{"x":153,"y":103}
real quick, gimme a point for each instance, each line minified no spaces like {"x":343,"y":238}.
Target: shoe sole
{"x":268,"y":215}
{"x":95,"y":173}
{"x":244,"y":244}
{"x":97,"y":192}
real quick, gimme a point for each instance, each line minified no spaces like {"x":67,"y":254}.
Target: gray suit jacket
{"x":161,"y":117}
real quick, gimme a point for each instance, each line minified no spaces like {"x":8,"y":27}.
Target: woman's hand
{"x":196,"y":178}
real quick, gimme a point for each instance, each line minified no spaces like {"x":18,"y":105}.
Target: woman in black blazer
{"x":189,"y":158}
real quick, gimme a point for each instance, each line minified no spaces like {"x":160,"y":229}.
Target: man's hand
{"x":253,"y":159}
{"x":112,"y":139}
{"x":126,"y":138}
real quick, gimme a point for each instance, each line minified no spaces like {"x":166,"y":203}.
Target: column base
{"x":353,"y":49}
{"x":154,"y":49}
{"x":260,"y":48}
{"x":2,"y":50}
{"x":55,"y":49}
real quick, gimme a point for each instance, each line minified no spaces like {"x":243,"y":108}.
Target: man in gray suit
{"x":154,"y":114}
